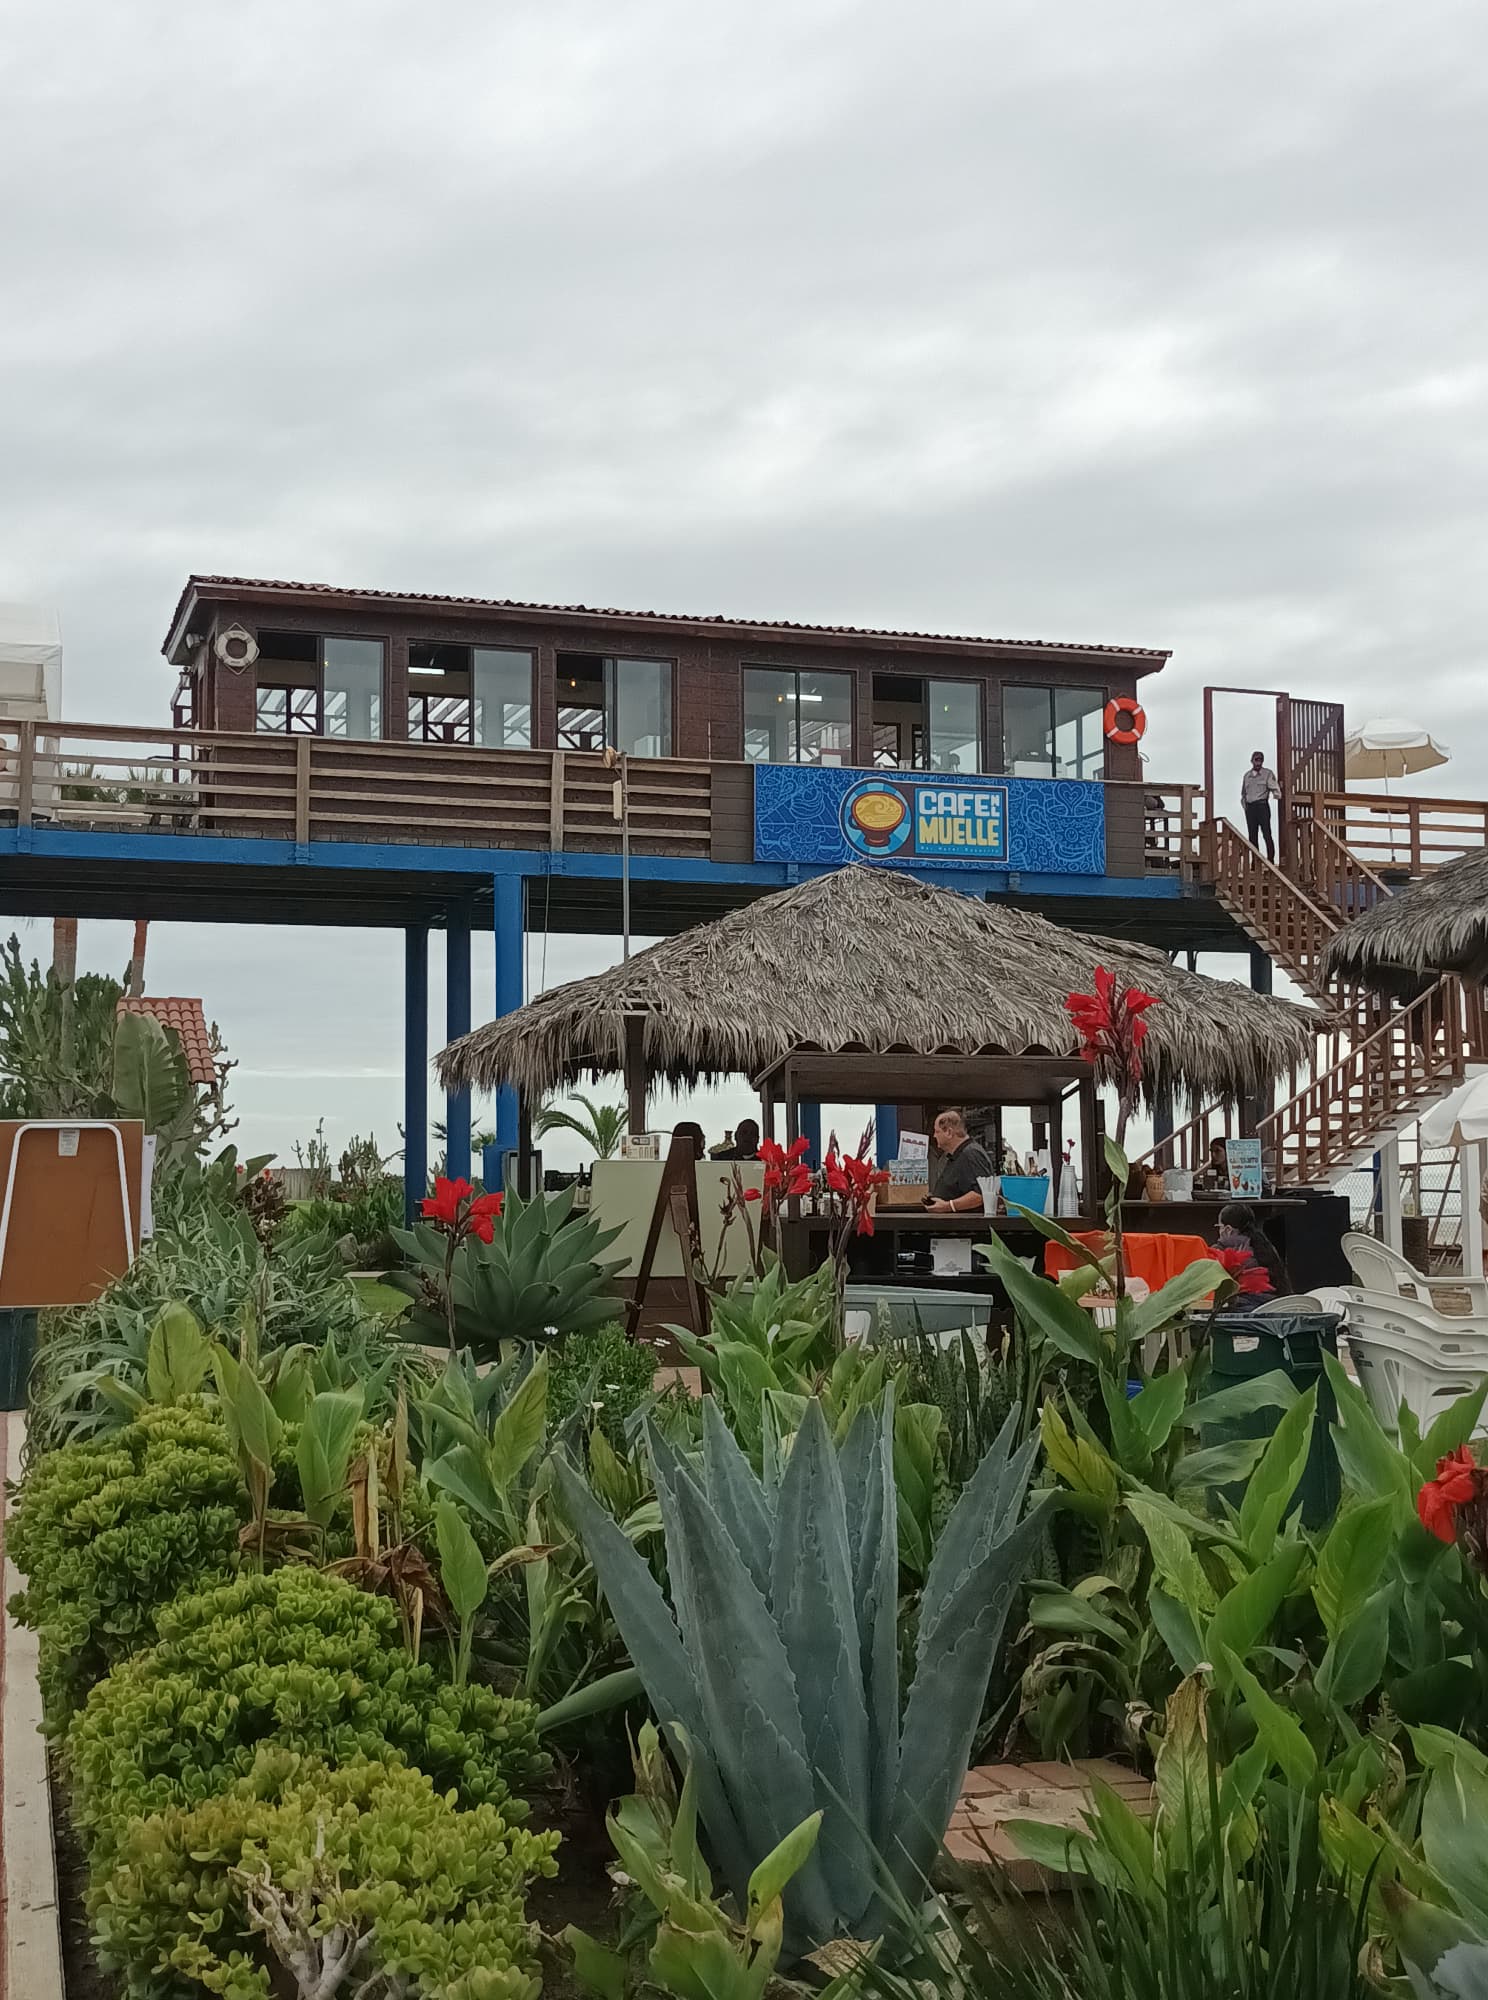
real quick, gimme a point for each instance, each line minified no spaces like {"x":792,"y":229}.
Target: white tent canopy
{"x":30,"y":662}
{"x":1461,"y":1120}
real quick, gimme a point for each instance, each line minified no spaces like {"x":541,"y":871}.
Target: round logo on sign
{"x":876,"y":818}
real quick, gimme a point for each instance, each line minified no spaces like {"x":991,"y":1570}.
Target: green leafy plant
{"x":108,"y":1531}
{"x":601,"y":1377}
{"x":600,"y":1126}
{"x":783,"y":1663}
{"x":297,"y":1659}
{"x":682,"y":1941}
{"x":538,"y":1276}
{"x":1222,"y":1895}
{"x":462,"y":1571}
{"x":364,"y":1882}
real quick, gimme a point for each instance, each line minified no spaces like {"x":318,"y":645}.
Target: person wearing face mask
{"x":1252,"y":1259}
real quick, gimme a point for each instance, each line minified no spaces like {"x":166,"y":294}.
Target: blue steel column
{"x":415,"y":1067}
{"x":456,"y":1023}
{"x":809,"y":1116}
{"x":509,"y":924}
{"x":886,"y":1132}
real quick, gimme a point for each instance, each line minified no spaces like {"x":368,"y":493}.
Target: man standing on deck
{"x":1258,"y":788}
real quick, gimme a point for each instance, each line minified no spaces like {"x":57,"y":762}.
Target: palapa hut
{"x":1436,"y":925}
{"x":872,"y":959}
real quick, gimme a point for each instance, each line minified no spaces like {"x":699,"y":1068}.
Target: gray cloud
{"x":1152,"y":323}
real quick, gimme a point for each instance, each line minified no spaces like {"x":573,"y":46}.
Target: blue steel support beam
{"x":508,"y":924}
{"x":415,"y":1068}
{"x":886,"y":1132}
{"x":456,"y":1023}
{"x":810,"y":1118}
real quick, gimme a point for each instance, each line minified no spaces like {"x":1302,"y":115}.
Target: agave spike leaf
{"x":994,"y":1493}
{"x":743,"y":1676}
{"x":873,"y":1537}
{"x":813,"y":1599}
{"x":735,"y":1494}
{"x":651,"y":1638}
{"x":945,"y":1699}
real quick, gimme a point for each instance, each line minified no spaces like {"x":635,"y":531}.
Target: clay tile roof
{"x":190,"y":1024}
{"x":218,"y":585}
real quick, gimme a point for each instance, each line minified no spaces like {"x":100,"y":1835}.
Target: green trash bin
{"x":1248,"y":1345}
{"x":17,"y":1346}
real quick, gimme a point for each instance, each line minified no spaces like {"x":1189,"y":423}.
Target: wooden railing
{"x":1172,"y":817}
{"x":305,"y":788}
{"x":1376,"y":1082}
{"x":1396,"y":835}
{"x":1268,"y":904}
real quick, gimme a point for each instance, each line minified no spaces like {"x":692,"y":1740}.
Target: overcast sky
{"x":1149,"y":322}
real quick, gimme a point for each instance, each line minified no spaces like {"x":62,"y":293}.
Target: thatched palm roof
{"x":870,"y":958}
{"x":1436,"y":925}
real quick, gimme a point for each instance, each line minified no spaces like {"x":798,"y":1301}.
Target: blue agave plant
{"x":779,"y":1653}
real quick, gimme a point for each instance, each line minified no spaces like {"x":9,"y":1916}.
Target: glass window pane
{"x":1079,"y":732}
{"x":826,"y":718}
{"x":953,"y":709}
{"x":639,"y":699}
{"x":353,"y":688}
{"x":1028,"y":732}
{"x":503,"y":698}
{"x":769,"y":716}
{"x":273,"y":709}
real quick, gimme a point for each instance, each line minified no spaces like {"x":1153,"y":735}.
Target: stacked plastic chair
{"x":1415,"y":1340}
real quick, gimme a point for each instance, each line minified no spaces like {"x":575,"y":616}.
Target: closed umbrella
{"x":1461,"y":1120}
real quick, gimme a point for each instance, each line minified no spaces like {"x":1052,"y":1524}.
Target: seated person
{"x":746,"y":1142}
{"x":959,"y":1165}
{"x":1214,"y":1176}
{"x":1250,"y":1257}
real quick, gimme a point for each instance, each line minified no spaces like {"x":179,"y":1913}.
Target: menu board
{"x":1243,"y":1168}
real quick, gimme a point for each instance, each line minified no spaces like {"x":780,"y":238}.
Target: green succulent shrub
{"x":295,"y":1658}
{"x":292,"y":1292}
{"x":109,"y":1530}
{"x":603,"y":1376}
{"x":779,"y":1652}
{"x":540,"y":1275}
{"x":296,"y":1869}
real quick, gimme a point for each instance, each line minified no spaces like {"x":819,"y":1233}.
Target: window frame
{"x":795,"y":671}
{"x":313,"y":683}
{"x":425,"y":696}
{"x":608,"y":700}
{"x":1050,"y":689}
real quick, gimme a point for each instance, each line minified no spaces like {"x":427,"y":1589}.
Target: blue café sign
{"x":821,"y":813}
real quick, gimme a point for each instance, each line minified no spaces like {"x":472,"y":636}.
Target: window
{"x":616,"y":702}
{"x":312,"y":686}
{"x":926,"y":725}
{"x":792,"y":717}
{"x":470,"y":694}
{"x":1054,"y":732}
{"x":351,"y":688}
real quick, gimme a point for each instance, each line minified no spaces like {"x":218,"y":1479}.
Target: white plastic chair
{"x":1378,"y":1268}
{"x":1390,"y":1376}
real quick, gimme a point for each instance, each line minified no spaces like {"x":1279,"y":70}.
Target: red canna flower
{"x":1455,"y":1485}
{"x":1110,"y":1026}
{"x":480,"y":1218}
{"x":751,"y":1194}
{"x":443,"y":1206}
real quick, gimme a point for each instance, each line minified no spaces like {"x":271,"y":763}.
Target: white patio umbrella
{"x":1461,"y":1120}
{"x":1388,"y":748}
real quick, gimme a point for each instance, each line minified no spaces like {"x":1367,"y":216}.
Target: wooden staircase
{"x":1380,"y":1064}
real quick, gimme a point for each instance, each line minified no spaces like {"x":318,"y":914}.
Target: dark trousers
{"x":1258,"y":825}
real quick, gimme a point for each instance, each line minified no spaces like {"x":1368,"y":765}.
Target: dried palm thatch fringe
{"x":1436,"y":925}
{"x":870,"y":958}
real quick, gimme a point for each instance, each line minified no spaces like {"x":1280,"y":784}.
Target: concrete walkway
{"x":30,"y":1941}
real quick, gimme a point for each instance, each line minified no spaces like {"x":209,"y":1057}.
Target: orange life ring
{"x":1134,"y":728}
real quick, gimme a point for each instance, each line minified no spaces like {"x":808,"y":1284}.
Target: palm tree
{"x":598,"y":1125}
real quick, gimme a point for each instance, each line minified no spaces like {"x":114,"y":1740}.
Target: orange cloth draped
{"x":1151,"y":1257}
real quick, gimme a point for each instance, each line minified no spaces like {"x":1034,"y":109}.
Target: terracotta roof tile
{"x":190,"y":1024}
{"x":218,"y":584}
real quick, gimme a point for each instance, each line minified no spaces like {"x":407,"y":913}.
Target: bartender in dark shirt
{"x":960,"y":1165}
